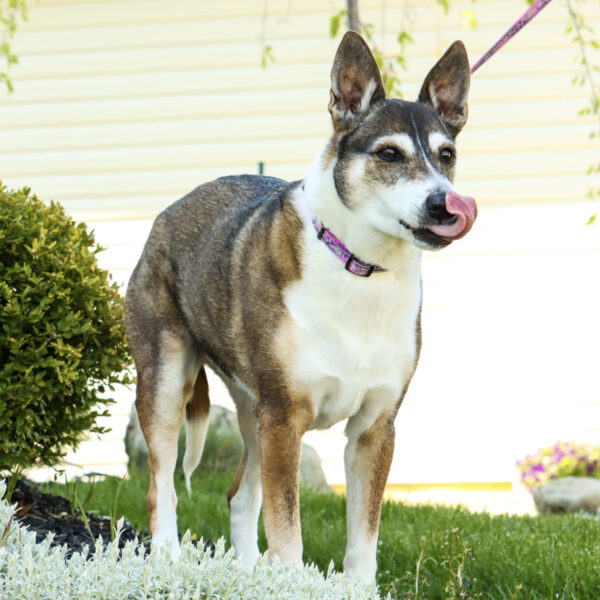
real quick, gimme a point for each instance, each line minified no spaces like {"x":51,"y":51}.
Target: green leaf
{"x":468,"y":19}
{"x":334,"y":23}
{"x":267,"y":56}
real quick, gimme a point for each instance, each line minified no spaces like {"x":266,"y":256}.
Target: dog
{"x":305,"y":298}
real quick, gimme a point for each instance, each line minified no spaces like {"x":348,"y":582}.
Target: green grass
{"x":424,"y":552}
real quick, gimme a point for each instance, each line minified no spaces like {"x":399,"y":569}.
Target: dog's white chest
{"x":352,"y":339}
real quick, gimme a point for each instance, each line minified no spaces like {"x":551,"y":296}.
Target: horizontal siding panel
{"x":167,"y":133}
{"x":491,"y":140}
{"x":80,"y":14}
{"x":173,"y":107}
{"x":540,"y":237}
{"x":117,"y":425}
{"x":498,"y":299}
{"x":525,"y":88}
{"x":554,"y":266}
{"x":238,"y":54}
{"x":121,"y":277}
{"x":120,"y":257}
{"x":521,"y":164}
{"x":177,"y":80}
{"x":498,"y":190}
{"x":111,"y":233}
{"x":188,"y":32}
{"x":115,"y":188}
{"x":526,"y":220}
{"x":542,"y":114}
{"x":555,"y":327}
{"x":221,"y":53}
{"x":116,"y":207}
{"x":211,"y":155}
{"x":98,"y":453}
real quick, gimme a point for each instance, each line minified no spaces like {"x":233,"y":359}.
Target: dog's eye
{"x":390,"y":154}
{"x":447,"y":155}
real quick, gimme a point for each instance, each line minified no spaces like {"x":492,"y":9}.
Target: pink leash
{"x":531,"y":12}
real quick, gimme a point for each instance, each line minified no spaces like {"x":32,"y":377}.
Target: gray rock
{"x":311,"y":471}
{"x":222,"y":449}
{"x":568,"y":494}
{"x":135,"y":445}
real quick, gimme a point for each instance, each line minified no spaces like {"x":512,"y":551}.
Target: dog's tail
{"x":196,"y":426}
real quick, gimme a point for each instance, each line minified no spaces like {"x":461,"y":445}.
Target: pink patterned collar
{"x":351,"y":263}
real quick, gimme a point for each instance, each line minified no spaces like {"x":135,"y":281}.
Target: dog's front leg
{"x":367,"y":459}
{"x":280,"y":438}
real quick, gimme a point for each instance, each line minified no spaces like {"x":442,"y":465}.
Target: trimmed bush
{"x":62,"y":334}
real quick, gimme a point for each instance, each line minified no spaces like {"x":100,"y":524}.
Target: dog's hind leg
{"x":165,"y":386}
{"x":245,"y":494}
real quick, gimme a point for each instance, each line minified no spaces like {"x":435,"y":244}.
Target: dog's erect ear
{"x":355,"y":81}
{"x":447,"y":86}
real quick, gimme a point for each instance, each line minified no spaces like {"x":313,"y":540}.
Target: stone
{"x":311,"y":471}
{"x":223,"y":428}
{"x":568,"y":494}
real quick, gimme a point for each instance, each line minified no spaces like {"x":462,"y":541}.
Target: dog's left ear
{"x":355,"y":81}
{"x":447,"y":86}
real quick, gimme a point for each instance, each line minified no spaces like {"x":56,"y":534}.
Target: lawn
{"x":424,"y":551}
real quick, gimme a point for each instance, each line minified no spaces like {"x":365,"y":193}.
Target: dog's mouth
{"x":462,"y":211}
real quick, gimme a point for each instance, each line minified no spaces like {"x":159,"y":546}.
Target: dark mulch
{"x":44,"y":513}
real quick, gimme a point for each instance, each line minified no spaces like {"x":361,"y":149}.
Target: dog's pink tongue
{"x":465,"y":210}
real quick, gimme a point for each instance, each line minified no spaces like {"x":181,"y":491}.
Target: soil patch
{"x":45,"y":513}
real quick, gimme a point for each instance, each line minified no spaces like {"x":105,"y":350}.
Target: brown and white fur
{"x":233,"y":276}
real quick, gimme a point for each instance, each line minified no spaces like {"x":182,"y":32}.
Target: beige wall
{"x":120,"y":107}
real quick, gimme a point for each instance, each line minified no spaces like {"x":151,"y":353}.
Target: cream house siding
{"x":120,"y":107}
{"x":110,"y":94}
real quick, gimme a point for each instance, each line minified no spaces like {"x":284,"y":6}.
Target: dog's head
{"x":394,"y":160}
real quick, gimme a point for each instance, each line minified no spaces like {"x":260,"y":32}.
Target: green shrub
{"x":62,"y":339}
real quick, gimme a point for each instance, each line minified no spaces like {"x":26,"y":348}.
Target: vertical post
{"x":261,"y":167}
{"x":353,"y":20}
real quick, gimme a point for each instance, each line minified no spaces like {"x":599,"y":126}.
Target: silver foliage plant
{"x":39,"y":572}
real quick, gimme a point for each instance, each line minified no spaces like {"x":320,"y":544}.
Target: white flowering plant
{"x":41,"y":572}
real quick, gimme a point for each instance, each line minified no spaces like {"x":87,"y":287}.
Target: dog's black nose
{"x":435,"y":205}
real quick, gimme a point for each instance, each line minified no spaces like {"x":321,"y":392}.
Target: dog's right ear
{"x":355,"y":81}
